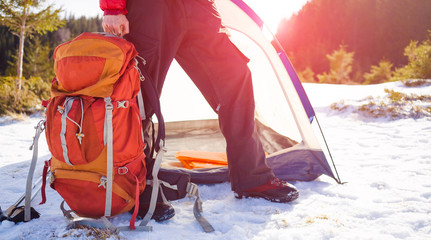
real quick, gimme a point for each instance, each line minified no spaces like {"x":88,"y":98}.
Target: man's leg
{"x":156,"y":30}
{"x":160,"y":28}
{"x":220,"y":71}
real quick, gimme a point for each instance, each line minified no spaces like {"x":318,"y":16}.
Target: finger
{"x":126,"y":28}
{"x":116,"y":30}
{"x":122,"y":27}
{"x":107,"y":28}
{"x":111,"y":30}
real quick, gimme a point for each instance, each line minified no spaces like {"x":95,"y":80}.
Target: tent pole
{"x":329,"y":151}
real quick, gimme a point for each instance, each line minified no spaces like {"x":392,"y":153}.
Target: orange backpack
{"x":94,"y":128}
{"x":94,"y":133}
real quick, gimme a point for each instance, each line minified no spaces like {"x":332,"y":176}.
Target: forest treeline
{"x":373,"y":30}
{"x":37,"y":67}
{"x":38,"y":59}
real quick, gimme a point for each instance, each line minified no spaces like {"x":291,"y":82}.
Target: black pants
{"x":191,"y":32}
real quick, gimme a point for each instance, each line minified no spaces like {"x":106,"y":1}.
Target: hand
{"x":116,"y":24}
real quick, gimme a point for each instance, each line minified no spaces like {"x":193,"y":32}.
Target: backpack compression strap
{"x":192,"y":191}
{"x":155,"y":184}
{"x":109,"y":155}
{"x":28,"y":196}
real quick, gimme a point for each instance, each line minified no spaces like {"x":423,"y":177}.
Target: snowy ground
{"x":386,"y":164}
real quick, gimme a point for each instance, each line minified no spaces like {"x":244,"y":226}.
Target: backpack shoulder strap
{"x":150,"y":92}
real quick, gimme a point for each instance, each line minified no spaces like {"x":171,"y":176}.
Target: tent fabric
{"x":298,"y":86}
{"x":283,"y":112}
{"x":294,"y":162}
{"x":242,"y":19}
{"x":267,"y":87}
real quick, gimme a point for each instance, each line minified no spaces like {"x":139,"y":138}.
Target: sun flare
{"x":273,"y":11}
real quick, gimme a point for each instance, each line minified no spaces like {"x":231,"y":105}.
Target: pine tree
{"x":419,"y":65}
{"x":37,"y":60}
{"x":340,"y":62}
{"x":25,"y":18}
{"x":379,"y":74}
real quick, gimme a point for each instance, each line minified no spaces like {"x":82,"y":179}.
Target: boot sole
{"x":161,"y":213}
{"x":289,"y":198}
{"x":168,"y":214}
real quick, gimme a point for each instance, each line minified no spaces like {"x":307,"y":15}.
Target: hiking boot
{"x":162,"y":212}
{"x":274,"y":190}
{"x":2,"y":217}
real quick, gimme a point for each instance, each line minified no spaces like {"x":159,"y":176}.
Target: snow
{"x":386,"y":166}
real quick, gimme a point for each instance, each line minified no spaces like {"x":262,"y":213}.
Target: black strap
{"x":153,"y":98}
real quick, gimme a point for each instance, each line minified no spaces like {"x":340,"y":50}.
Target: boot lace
{"x":277,"y":182}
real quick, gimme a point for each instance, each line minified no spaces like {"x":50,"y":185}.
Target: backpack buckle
{"x":123,"y":170}
{"x":60,"y":109}
{"x":123,"y":104}
{"x":108,"y":104}
{"x":103,"y":181}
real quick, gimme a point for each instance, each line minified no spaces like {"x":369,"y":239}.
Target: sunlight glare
{"x":273,"y":11}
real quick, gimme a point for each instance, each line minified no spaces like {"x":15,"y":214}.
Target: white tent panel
{"x":277,"y":103}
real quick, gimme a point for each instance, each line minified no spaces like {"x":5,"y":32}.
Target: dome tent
{"x":284,"y":116}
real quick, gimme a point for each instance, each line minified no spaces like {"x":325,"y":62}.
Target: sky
{"x":271,"y":11}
